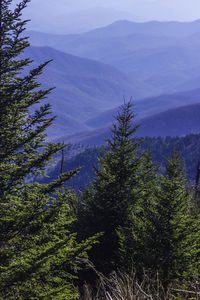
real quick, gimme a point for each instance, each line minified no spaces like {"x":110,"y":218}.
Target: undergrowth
{"x":121,"y":286}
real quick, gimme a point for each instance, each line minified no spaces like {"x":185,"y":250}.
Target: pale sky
{"x":180,"y":9}
{"x":51,"y":15}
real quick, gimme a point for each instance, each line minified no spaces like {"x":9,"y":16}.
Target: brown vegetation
{"x":121,"y":286}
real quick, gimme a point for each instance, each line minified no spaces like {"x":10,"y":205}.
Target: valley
{"x":157,"y":64}
{"x":84,"y":88}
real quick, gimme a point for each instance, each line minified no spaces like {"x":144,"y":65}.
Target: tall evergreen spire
{"x":113,"y":192}
{"x":38,"y":252}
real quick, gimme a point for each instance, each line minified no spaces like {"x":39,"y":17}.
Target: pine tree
{"x":135,"y":254}
{"x":108,"y":201}
{"x":174,"y":227}
{"x":163,"y":237}
{"x":38,"y":252}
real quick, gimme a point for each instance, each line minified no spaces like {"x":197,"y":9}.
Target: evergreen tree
{"x":134,"y":252}
{"x":174,"y":249}
{"x":107,"y":203}
{"x":38,"y":252}
{"x":163,"y":235}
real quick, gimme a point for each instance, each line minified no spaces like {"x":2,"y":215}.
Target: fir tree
{"x":174,"y":252}
{"x":38,"y":252}
{"x":163,"y":235}
{"x":108,"y":201}
{"x":134,"y":252}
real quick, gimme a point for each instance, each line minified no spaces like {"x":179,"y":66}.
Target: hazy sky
{"x":166,"y":9}
{"x":46,"y":14}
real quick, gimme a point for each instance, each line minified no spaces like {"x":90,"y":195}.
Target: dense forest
{"x":86,"y":158}
{"x":132,"y":233}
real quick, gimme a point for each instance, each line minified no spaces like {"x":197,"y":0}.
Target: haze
{"x":68,"y":16}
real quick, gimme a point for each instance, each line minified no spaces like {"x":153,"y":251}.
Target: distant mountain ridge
{"x":78,"y":155}
{"x":84,"y":87}
{"x":124,"y":28}
{"x":164,"y":55}
{"x":173,"y":122}
{"x":179,"y":121}
{"x":169,"y":28}
{"x":157,"y":63}
{"x":74,"y":105}
{"x":148,"y":107}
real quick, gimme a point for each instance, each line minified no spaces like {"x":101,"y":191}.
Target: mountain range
{"x":84,"y":87}
{"x":179,"y":121}
{"x":148,"y":107}
{"x":155,"y":63}
{"x":164,"y":55}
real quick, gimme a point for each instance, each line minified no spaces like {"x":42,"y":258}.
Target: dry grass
{"x":126,"y":287}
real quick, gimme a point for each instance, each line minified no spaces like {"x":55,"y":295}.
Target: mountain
{"x":166,"y":68}
{"x":124,"y":28}
{"x":118,"y":29}
{"x":99,"y":43}
{"x":84,"y":87}
{"x":161,"y":148}
{"x":174,"y":122}
{"x":164,"y":55}
{"x":179,"y":121}
{"x":147,"y":107}
{"x":163,"y":64}
{"x":46,"y":15}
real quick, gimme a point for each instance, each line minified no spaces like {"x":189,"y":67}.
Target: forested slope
{"x":161,"y":148}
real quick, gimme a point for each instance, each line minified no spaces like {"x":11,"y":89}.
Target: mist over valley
{"x":157,"y":64}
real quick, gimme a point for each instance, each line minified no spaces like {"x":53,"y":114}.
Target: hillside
{"x":164,"y":55}
{"x":188,"y":147}
{"x":171,"y":28}
{"x":149,"y":106}
{"x":179,"y":121}
{"x":84,"y":87}
{"x":174,"y":122}
{"x":118,"y":29}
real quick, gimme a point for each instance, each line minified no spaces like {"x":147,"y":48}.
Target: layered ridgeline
{"x":157,"y":63}
{"x":151,"y":106}
{"x":95,"y":90}
{"x":179,"y":121}
{"x":84,"y":88}
{"x":164,"y":55}
{"x":86,"y":157}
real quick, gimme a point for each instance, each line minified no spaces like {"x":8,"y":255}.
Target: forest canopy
{"x":133,"y":217}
